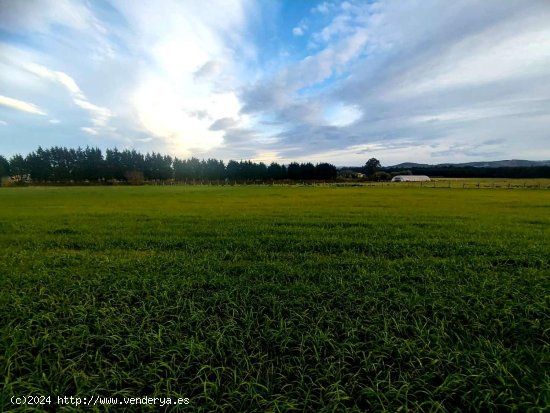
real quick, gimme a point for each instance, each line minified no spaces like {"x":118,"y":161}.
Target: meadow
{"x":271,"y":299}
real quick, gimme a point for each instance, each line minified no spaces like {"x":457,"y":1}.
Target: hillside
{"x":509,"y":163}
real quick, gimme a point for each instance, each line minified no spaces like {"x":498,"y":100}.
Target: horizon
{"x":404,"y":164}
{"x":282,"y":81}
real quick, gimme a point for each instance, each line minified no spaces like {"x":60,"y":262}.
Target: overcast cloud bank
{"x":429,"y":81}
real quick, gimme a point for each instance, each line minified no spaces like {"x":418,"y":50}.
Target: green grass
{"x":278,"y":298}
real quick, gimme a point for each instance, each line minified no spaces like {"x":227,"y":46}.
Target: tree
{"x":233,"y":170}
{"x":294,"y":171}
{"x":18,"y":166}
{"x":213,"y":169}
{"x":381,"y":176}
{"x":260,"y":171}
{"x":371,"y":166}
{"x":39,"y":165}
{"x":307,"y":170}
{"x":4,"y":167}
{"x":61,"y":164}
{"x":276,"y":171}
{"x":113,"y":164}
{"x":325,"y":171}
{"x":194,"y":167}
{"x":133,"y":165}
{"x":158,"y":167}
{"x":185,"y":169}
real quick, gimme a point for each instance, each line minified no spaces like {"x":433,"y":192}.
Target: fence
{"x":470,"y":184}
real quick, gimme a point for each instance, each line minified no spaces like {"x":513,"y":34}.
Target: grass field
{"x":468,"y":183}
{"x":278,"y":298}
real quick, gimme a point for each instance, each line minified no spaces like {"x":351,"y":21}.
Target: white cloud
{"x":54,"y":76}
{"x":174,"y":118}
{"x":196,"y":51}
{"x":224,"y":123}
{"x":21,"y":105}
{"x":99,"y":115}
{"x":3,"y":123}
{"x":322,"y":8}
{"x":54,"y":121}
{"x":340,"y":25}
{"x":283,"y":91}
{"x":468,"y":114}
{"x":40,"y":15}
{"x":482,"y":59}
{"x":90,"y":131}
{"x":301,"y":28}
{"x":298,"y":31}
{"x":345,"y":6}
{"x":209,"y":70}
{"x":342,"y":115}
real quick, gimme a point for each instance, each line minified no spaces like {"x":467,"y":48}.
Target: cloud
{"x":473,"y":76}
{"x":298,"y":31}
{"x":54,"y":76}
{"x":208,"y":70}
{"x":283,"y":88}
{"x":195,"y":52}
{"x":21,"y":105}
{"x":54,"y":121}
{"x":64,"y":22}
{"x":99,"y":115}
{"x":482,"y":150}
{"x":90,"y":131}
{"x":301,"y":28}
{"x":224,"y":123}
{"x":481,"y":59}
{"x":341,"y":24}
{"x":405,"y":80}
{"x":3,"y":123}
{"x":342,"y":115}
{"x":41,"y":15}
{"x":322,"y":8}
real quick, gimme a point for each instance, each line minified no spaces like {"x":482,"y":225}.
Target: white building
{"x":410,"y":178}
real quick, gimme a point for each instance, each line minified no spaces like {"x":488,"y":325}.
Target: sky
{"x":428,"y":81}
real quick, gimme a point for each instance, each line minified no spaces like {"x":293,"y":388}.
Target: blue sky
{"x":340,"y":81}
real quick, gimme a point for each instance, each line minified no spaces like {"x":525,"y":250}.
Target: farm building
{"x":410,"y":178}
{"x":346,"y":173}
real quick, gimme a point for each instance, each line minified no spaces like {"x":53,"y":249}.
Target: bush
{"x":381,"y":176}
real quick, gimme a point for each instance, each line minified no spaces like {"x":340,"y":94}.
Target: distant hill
{"x":510,"y":163}
{"x":408,"y":165}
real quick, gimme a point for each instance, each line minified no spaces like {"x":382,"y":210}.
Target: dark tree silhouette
{"x":294,"y":171}
{"x":371,"y":166}
{"x":276,"y":171}
{"x":4,"y":167}
{"x":325,"y":171}
{"x":18,"y":166}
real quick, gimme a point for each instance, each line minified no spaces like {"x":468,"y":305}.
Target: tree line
{"x":60,"y":164}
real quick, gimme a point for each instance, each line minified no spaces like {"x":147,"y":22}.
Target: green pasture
{"x":467,"y":183}
{"x":272,"y":299}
